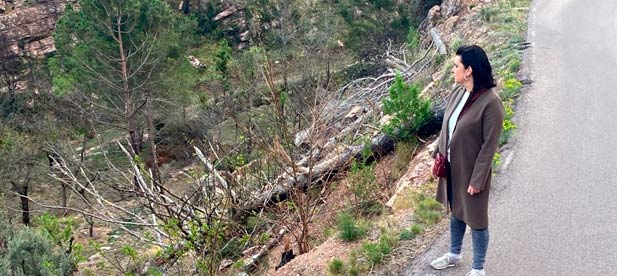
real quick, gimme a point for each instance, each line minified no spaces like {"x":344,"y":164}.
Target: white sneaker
{"x":445,"y":261}
{"x":475,"y":272}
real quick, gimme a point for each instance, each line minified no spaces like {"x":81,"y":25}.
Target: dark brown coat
{"x":472,"y":147}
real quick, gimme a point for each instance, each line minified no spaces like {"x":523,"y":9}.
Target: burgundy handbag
{"x":439,"y":167}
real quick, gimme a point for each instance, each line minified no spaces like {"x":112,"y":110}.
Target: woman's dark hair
{"x":475,"y":57}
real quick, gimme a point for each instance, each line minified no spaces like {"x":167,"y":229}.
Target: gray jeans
{"x":479,"y":238}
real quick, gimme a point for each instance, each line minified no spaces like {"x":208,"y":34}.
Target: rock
{"x":196,"y":63}
{"x":450,"y":24}
{"x":225,"y":263}
{"x":251,"y":251}
{"x":29,"y":29}
{"x":384,"y":120}
{"x":416,"y":175}
{"x":434,"y":15}
{"x":354,"y":113}
{"x":244,"y":37}
{"x":301,"y":137}
{"x":94,"y":257}
{"x":450,"y":8}
{"x":243,"y":46}
{"x":437,"y":75}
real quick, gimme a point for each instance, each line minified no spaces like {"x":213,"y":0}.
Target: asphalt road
{"x":554,"y":208}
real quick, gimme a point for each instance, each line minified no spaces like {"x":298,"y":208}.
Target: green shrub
{"x":509,"y":19}
{"x":31,"y":253}
{"x":403,"y":153}
{"x":508,"y":125}
{"x":457,"y":43}
{"x":375,"y":252}
{"x":370,"y":208}
{"x":129,"y":251}
{"x":336,"y":267}
{"x":263,"y":238}
{"x":427,"y":216}
{"x":413,"y":40}
{"x":416,"y":229}
{"x":428,"y":210}
{"x":514,"y":64}
{"x":373,"y":255}
{"x":59,"y":232}
{"x":508,"y":109}
{"x":361,"y":182}
{"x":429,"y":204}
{"x":506,"y":133}
{"x":406,"y":234}
{"x":354,"y":269}
{"x":439,"y":59}
{"x":382,"y":4}
{"x":511,"y":88}
{"x":238,"y":264}
{"x":255,"y":223}
{"x":409,"y":111}
{"x":386,"y":244}
{"x":349,"y":230}
{"x":488,"y":13}
{"x":496,"y":160}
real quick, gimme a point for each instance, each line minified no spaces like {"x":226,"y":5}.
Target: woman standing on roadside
{"x":470,"y":131}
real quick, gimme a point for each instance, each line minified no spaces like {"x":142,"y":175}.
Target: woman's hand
{"x":472,"y":191}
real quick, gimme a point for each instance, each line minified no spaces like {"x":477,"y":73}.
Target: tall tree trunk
{"x":156,"y":172}
{"x":25,"y":206}
{"x":54,"y":160}
{"x":129,"y":104}
{"x":82,"y":155}
{"x":90,"y":221}
{"x":63,"y":195}
{"x":22,"y":191}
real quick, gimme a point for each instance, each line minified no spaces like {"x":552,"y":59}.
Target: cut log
{"x":226,"y":13}
{"x":438,"y":42}
{"x":433,"y":125}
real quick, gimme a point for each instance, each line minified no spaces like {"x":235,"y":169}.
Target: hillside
{"x":207,"y":138}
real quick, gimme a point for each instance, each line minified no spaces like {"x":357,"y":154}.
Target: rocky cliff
{"x":26,"y":29}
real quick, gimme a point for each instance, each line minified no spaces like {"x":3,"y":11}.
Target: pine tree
{"x":112,"y":58}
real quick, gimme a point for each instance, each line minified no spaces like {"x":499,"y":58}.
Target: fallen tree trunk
{"x":380,"y":146}
{"x":433,"y":125}
{"x":332,"y":165}
{"x":251,"y":262}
